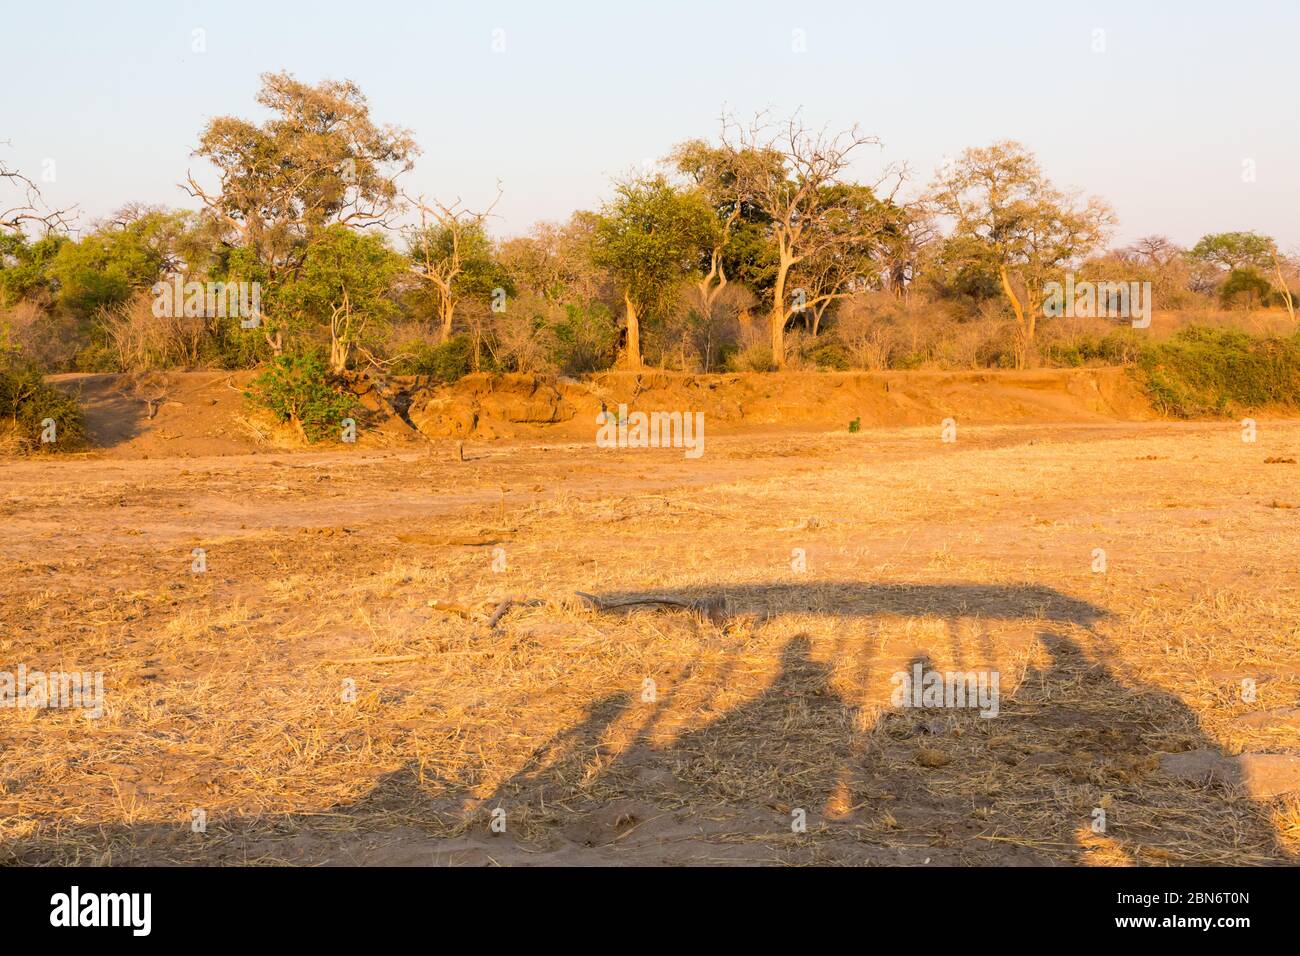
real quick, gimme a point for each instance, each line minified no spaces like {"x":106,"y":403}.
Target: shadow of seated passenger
{"x":915,"y":784}
{"x":927,"y":784}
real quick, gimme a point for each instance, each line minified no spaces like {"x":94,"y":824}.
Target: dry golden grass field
{"x":346,"y":682}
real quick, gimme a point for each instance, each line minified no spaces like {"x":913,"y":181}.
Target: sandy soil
{"x":332,"y":689}
{"x":198,"y":414}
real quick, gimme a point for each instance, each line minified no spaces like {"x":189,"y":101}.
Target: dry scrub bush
{"x":753,"y":350}
{"x":877,"y":330}
{"x":141,"y":341}
{"x":45,"y":337}
{"x":1257,"y":322}
{"x":870,"y":339}
{"x":523,"y":336}
{"x":699,"y":337}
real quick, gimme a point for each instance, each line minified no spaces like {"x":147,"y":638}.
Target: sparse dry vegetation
{"x":226,"y":690}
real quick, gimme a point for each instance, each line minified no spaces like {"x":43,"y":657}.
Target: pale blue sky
{"x":1159,"y":123}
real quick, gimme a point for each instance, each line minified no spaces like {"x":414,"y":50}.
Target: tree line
{"x":758,"y":249}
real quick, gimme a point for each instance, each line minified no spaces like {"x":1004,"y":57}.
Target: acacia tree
{"x":1007,"y":214}
{"x":320,"y":161}
{"x":798,"y":178}
{"x":450,"y":251}
{"x":1242,"y":256}
{"x":1235,"y":250}
{"x":649,"y":237}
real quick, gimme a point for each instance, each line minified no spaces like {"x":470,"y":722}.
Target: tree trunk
{"x":1287,"y":300}
{"x":339,"y":353}
{"x":1025,"y":330}
{"x":633,"y":334}
{"x":447,"y":310}
{"x":275,"y":341}
{"x":777,"y":318}
{"x":817,"y":312}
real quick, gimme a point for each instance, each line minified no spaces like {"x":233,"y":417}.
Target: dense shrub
{"x":297,"y":390}
{"x":1118,"y":347}
{"x":441,"y":362}
{"x":751,"y":358}
{"x":829,"y":356}
{"x":585,"y":339}
{"x":28,"y":406}
{"x":1245,"y":286}
{"x":1207,"y":371}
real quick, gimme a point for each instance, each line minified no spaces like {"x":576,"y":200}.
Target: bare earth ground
{"x":655,"y":734}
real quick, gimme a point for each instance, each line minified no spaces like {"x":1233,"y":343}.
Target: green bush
{"x":909,"y":362}
{"x":28,"y":406}
{"x":1246,"y":286}
{"x":585,"y":340}
{"x":95,"y":357}
{"x":1207,"y":371}
{"x":297,"y":389}
{"x":226,"y":345}
{"x":1120,"y":347}
{"x":830,"y":356}
{"x":444,"y":362}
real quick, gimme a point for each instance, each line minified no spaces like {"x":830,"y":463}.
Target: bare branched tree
{"x":31,"y":209}
{"x":1154,"y":250}
{"x":799,"y":178}
{"x":449,"y":241}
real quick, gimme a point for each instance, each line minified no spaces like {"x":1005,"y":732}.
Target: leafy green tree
{"x":1235,"y":250}
{"x":1244,"y":285}
{"x":649,"y":237}
{"x":348,"y":278}
{"x":25,"y":265}
{"x":319,"y":161}
{"x":106,"y":267}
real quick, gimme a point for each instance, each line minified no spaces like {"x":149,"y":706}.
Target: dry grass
{"x":229,"y":691}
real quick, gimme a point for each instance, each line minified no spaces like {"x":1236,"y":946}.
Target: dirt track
{"x":226,"y":689}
